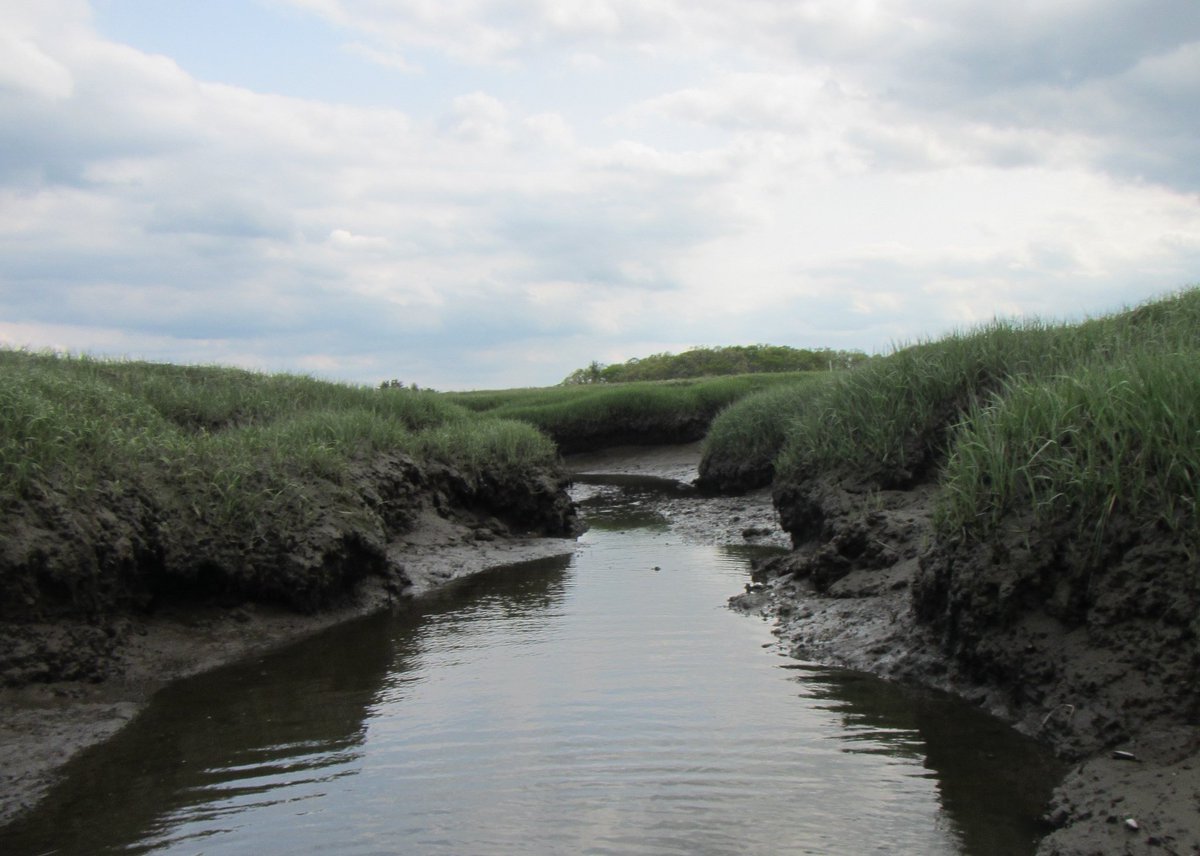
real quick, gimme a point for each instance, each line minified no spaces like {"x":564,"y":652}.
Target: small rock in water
{"x":1132,"y":824}
{"x":1122,"y":755}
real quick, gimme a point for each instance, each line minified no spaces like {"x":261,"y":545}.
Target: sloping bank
{"x":1010,"y":514}
{"x":158,"y":520}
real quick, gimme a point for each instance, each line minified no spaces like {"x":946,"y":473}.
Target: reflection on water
{"x":630,"y":504}
{"x":992,"y":782}
{"x":600,"y":703}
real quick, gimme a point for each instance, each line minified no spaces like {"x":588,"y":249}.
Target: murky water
{"x":603,"y":703}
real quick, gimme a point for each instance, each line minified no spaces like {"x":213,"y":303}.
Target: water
{"x":604,"y":703}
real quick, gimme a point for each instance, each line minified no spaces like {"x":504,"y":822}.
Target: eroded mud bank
{"x":845,"y":597}
{"x":100,"y":611}
{"x":1101,"y":667}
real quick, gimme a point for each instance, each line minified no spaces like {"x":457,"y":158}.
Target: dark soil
{"x":126,"y":551}
{"x":99,"y":607}
{"x":731,"y":476}
{"x":652,"y":430}
{"x":1093,"y":656}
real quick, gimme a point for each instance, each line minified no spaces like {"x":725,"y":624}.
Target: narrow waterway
{"x":602,"y":703}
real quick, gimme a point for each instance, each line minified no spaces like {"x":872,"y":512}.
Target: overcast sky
{"x":491,"y":193}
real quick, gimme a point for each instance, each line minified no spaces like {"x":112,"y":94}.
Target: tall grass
{"x":491,"y":447}
{"x":1114,"y":441}
{"x":67,"y":431}
{"x":891,"y":420}
{"x":72,"y":424}
{"x":588,"y":415}
{"x":744,"y":438}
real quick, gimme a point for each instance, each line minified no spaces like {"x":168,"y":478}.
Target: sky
{"x":470,"y":194}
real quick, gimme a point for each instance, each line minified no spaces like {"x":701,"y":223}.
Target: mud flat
{"x":748,"y":518}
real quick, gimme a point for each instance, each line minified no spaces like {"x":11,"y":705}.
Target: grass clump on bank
{"x":1100,"y":448}
{"x":889,"y":421}
{"x":1090,"y":424}
{"x":586,"y":417}
{"x":124,"y":476}
{"x":1111,"y":445}
{"x":744,"y":439}
{"x":892,"y":420}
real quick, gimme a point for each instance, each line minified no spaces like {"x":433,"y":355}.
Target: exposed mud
{"x":1092,"y":663}
{"x":1103,"y":668}
{"x":101,"y":610}
{"x":745,"y":519}
{"x":631,"y":431}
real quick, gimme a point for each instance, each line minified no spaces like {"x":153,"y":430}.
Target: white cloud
{"x":386,"y":58}
{"x":480,"y":118}
{"x":595,"y":178}
{"x":348,"y":240}
{"x":25,"y":68}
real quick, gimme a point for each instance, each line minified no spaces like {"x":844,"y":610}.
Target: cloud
{"x":385,"y":58}
{"x":1096,"y":69}
{"x":480,"y":118}
{"x":25,"y":69}
{"x":597,"y":179}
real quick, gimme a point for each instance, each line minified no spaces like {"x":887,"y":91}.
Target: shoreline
{"x":44,"y":725}
{"x":864,"y":620}
{"x":1141,"y":796}
{"x":846,"y":599}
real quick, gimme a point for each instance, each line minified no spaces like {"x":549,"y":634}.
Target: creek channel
{"x":602,"y":702}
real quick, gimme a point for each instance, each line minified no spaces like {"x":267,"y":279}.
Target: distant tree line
{"x":396,"y":383}
{"x":706,"y":362}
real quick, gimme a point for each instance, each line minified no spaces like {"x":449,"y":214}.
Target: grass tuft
{"x":1114,"y":441}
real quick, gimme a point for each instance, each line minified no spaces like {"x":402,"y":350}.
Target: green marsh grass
{"x":746,"y":436}
{"x":889,"y":419}
{"x":232,"y":442}
{"x":579,"y":414}
{"x":491,"y":447}
{"x":1085,"y":425}
{"x":1113,"y":440}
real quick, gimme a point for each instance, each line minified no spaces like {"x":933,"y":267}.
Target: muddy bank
{"x":631,"y":431}
{"x":745,"y":519}
{"x":95,"y":620}
{"x":844,"y":598}
{"x":1102,"y":669}
{"x":1102,"y":666}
